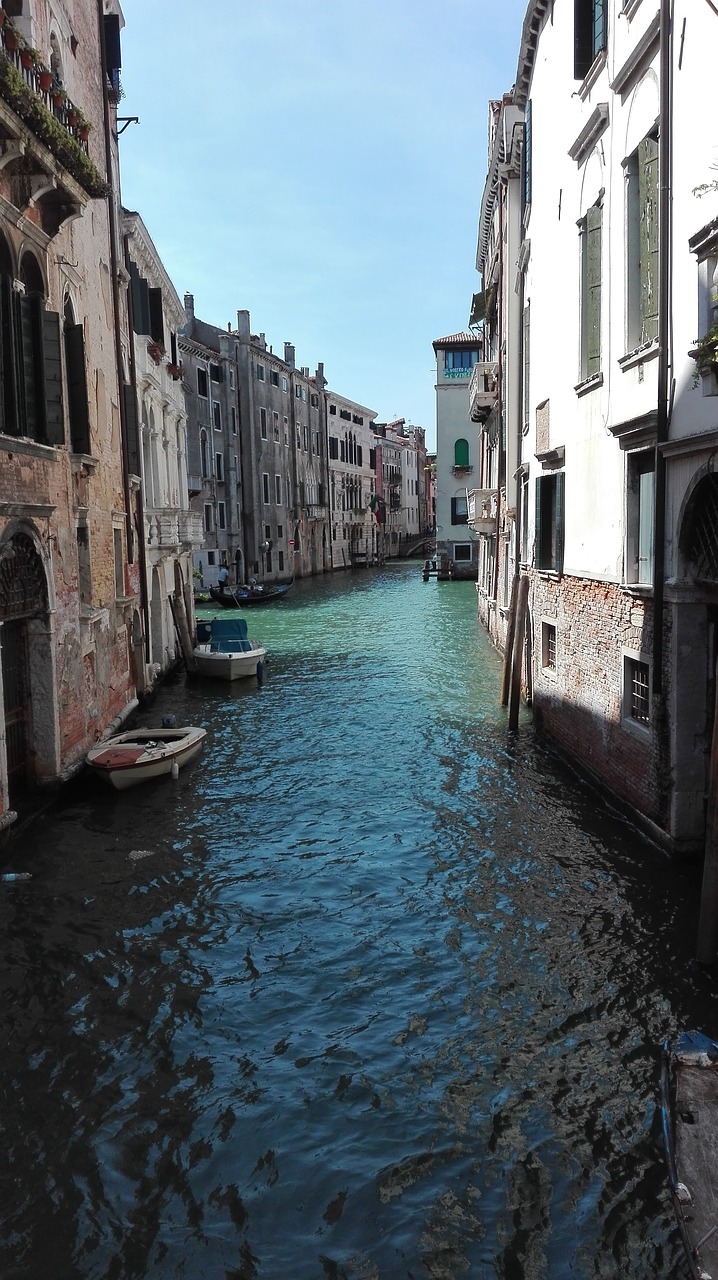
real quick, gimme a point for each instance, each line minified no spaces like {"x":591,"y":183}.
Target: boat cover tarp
{"x":229,"y":635}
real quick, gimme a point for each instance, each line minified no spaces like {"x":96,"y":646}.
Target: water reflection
{"x":367,"y":992}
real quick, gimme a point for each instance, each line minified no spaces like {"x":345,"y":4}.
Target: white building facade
{"x":456,"y":454}
{"x":601,"y":241}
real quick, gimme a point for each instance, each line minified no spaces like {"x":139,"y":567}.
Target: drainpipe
{"x":113,"y":207}
{"x":664,"y":353}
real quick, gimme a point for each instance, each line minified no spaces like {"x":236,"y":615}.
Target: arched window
{"x":31,"y":361}
{"x":55,"y":57}
{"x":698,"y":535}
{"x":461,"y":453}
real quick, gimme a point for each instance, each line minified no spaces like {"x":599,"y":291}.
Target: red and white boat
{"x":141,"y":754}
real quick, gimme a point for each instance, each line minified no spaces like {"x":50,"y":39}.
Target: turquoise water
{"x":372,"y":991}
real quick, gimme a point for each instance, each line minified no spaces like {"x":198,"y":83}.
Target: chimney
{"x":263,"y":341}
{"x":243,"y":326}
{"x":289,"y":354}
{"x":319,"y":377}
{"x":189,"y":306}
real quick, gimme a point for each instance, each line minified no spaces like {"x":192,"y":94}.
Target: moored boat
{"x":689,"y":1112}
{"x":254,"y":593}
{"x":142,"y":754}
{"x":227,"y":653}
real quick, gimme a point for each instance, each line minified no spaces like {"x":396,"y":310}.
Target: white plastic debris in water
{"x":136,"y":854}
{"x":683,"y":1193}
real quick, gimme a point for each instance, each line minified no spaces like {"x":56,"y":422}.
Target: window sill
{"x":629,"y":9}
{"x":642,"y":590}
{"x":592,"y":76}
{"x":647,"y":351}
{"x":84,"y":462}
{"x":23,"y":444}
{"x":549,"y":575}
{"x":642,"y":731}
{"x":589,"y":384}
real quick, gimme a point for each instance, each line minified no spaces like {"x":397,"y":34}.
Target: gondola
{"x":241,"y":597}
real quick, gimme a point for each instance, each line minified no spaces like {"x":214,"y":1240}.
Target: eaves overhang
{"x":530,"y":31}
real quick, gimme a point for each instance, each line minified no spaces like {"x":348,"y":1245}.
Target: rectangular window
{"x":360,"y":456}
{"x":333,"y":409}
{"x":221,"y":516}
{"x":589,"y":34}
{"x":280,"y":530}
{"x":119,"y":564}
{"x":233,"y":412}
{"x":298,"y":392}
{"x":548,"y":646}
{"x":202,"y":384}
{"x":260,"y":373}
{"x":304,"y":437}
{"x":278,"y":490}
{"x":590,"y":229}
{"x":636,"y":691}
{"x":550,"y":522}
{"x":274,"y":377}
{"x":642,"y":245}
{"x":462,"y":552}
{"x":314,"y":401}
{"x":639,"y":516}
{"x":231,"y":378}
{"x":265,"y":486}
{"x":84,"y":564}
{"x":275,"y":425}
{"x":459,"y":510}
{"x":526,"y":357}
{"x":208,"y":523}
{"x":457,"y":360}
{"x":280,"y":560}
{"x":284,"y":384}
{"x":215,"y":373}
{"x":267,"y":532}
{"x":286,"y":431}
{"x":217,"y":415}
{"x":219,"y":466}
{"x":263,"y":423}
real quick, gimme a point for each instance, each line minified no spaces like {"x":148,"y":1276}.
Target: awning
{"x":478,"y":309}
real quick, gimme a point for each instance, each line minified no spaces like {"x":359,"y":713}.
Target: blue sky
{"x":320,"y":163}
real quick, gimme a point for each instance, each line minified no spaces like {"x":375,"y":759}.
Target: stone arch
{"x":31,"y":275}
{"x":698,"y":528}
{"x":157,"y":629}
{"x":27,"y":666}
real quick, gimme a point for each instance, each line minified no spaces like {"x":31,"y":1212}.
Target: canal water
{"x":370,"y":992}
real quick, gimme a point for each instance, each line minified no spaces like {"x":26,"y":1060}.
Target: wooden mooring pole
{"x":518,"y":653}
{"x":509,"y":651}
{"x":708,"y":923}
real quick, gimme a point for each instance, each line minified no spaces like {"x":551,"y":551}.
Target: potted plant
{"x":705,"y":353}
{"x":28,"y":57}
{"x":58,"y":95}
{"x":44,"y":77}
{"x":13,"y":39}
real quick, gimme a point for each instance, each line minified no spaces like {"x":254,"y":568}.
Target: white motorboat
{"x":228,"y":653}
{"x":141,"y":754}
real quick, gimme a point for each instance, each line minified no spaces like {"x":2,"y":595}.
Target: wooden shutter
{"x":461,"y":453}
{"x":113,"y":58}
{"x":140,"y":295}
{"x":54,"y":414}
{"x":28,"y":352}
{"x":132,"y":430}
{"x":77,"y":388}
{"x":559,"y":493}
{"x":648,"y":236}
{"x":582,"y":38}
{"x":8,"y":358}
{"x":593,"y":290}
{"x":538,"y":540}
{"x":157,"y":322}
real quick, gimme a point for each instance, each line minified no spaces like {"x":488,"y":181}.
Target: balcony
{"x":482,"y":510}
{"x":161,"y":527}
{"x":44,"y":157}
{"x":191,"y":531}
{"x":317,"y":511}
{"x":483,"y":390}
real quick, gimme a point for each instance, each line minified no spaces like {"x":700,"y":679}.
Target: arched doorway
{"x":24,"y":659}
{"x":694,"y":655}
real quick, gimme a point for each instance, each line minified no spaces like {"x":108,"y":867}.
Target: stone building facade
{"x":70,"y":625}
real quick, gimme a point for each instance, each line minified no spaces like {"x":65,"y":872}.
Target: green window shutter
{"x":560,"y":479}
{"x":140,"y":296}
{"x":538,"y":541}
{"x":28,"y":350}
{"x":157,"y":321}
{"x":461,"y":453}
{"x":648,"y":236}
{"x":593,"y":290}
{"x":528,"y":139}
{"x":132,"y":429}
{"x":77,"y":388}
{"x":8,"y":358}
{"x":54,"y":413}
